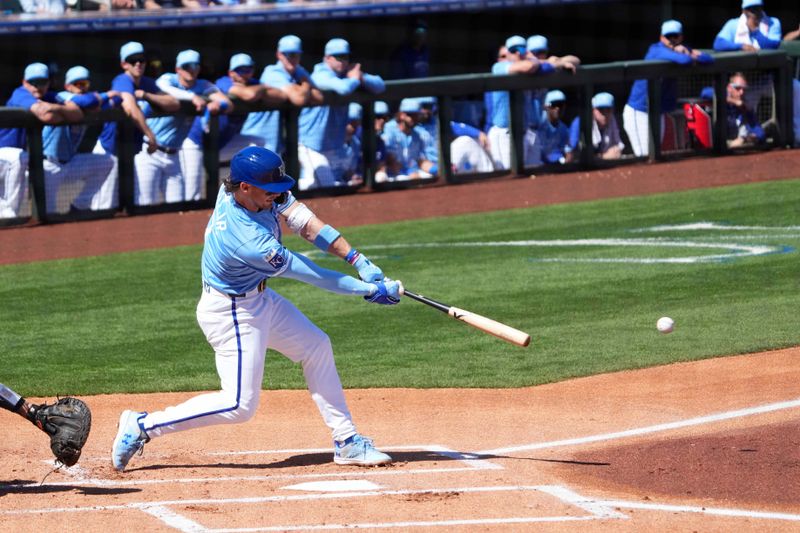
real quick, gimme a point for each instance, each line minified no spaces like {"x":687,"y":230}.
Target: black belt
{"x":167,"y":149}
{"x":259,"y":288}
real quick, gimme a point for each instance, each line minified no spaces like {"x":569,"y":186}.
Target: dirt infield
{"x":704,"y":446}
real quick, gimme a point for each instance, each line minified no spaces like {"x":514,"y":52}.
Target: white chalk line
{"x":718,"y":417}
{"x":695,"y":226}
{"x":80,"y":476}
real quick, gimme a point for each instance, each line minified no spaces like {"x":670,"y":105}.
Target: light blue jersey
{"x":323,"y":128}
{"x":243,"y":247}
{"x":62,"y":142}
{"x":171,"y":131}
{"x":499,"y":100}
{"x":408,"y":149}
{"x":267,"y":124}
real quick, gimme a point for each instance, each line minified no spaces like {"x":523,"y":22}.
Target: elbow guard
{"x":299,"y":217}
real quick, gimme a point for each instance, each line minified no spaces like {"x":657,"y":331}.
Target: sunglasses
{"x":190,"y":66}
{"x":738,"y":87}
{"x":132,"y":60}
{"x":243,"y":70}
{"x":341,"y":57}
{"x":673,"y":35}
{"x":82,"y":84}
{"x":517,"y":50}
{"x":39,"y":82}
{"x":558,"y":103}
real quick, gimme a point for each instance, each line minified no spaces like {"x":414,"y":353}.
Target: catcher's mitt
{"x":68,"y":422}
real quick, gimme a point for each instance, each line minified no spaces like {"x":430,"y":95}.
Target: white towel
{"x":743,"y":32}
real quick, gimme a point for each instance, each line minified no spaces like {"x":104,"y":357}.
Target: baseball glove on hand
{"x":68,"y":422}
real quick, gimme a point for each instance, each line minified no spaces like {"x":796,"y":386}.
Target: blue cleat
{"x":358,"y":450}
{"x":129,"y":440}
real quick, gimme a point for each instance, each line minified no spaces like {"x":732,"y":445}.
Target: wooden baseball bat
{"x":487,"y":325}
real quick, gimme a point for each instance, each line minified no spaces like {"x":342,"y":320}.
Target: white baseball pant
{"x":94,"y":170}
{"x":157,"y":175}
{"x":637,"y":127}
{"x":500,"y":148}
{"x":320,"y":169}
{"x":467,"y":155}
{"x":191,"y":158}
{"x":110,"y":187}
{"x":13,"y":167}
{"x":240,"y":330}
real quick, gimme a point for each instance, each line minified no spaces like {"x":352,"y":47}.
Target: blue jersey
{"x":171,"y":131}
{"x":243,"y":247}
{"x":322,"y":128}
{"x":229,"y":125}
{"x":669,"y":86}
{"x":267,"y":124}
{"x":554,"y":140}
{"x":408,"y":149}
{"x":21,"y":97}
{"x":767,"y":36}
{"x":125,"y":84}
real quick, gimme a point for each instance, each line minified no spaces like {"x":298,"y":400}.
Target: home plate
{"x":335,"y":486}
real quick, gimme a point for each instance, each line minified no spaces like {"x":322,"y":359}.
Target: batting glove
{"x":367,"y":270}
{"x":387,"y":292}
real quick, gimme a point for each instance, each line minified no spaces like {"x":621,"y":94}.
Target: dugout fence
{"x":454,"y":95}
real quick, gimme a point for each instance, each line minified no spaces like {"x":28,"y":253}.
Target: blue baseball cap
{"x":186,"y":57}
{"x":515,"y":41}
{"x":354,"y":111}
{"x":290,"y":44}
{"x":554,"y":96}
{"x":603,"y":100}
{"x":37,"y":71}
{"x":537,"y":43}
{"x":336,"y":47}
{"x":240,"y":60}
{"x":671,"y":26}
{"x":746,"y":4}
{"x":262,"y":168}
{"x":129,"y":49}
{"x":381,"y":107}
{"x":410,"y":105}
{"x":76,"y":73}
{"x":707,"y":93}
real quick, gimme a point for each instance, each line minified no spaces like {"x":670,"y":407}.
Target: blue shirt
{"x":229,"y":125}
{"x":23,"y":98}
{"x":554,"y":140}
{"x":408,"y":149}
{"x":243,"y":247}
{"x":171,"y":131}
{"x":322,"y":128}
{"x":669,"y":86}
{"x":726,"y":38}
{"x":267,"y":124}
{"x":62,"y":142}
{"x":125,"y":84}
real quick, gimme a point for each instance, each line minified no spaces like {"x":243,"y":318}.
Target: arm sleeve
{"x":303,"y":269}
{"x":85,"y":101}
{"x":325,"y":80}
{"x":545,"y":68}
{"x":769,"y":42}
{"x":373,"y":83}
{"x":460,"y":128}
{"x":165,"y":86}
{"x":575,"y":132}
{"x":724,"y":42}
{"x":664,"y":53}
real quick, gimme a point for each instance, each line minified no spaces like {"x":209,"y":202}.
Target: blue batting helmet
{"x":260,"y":167}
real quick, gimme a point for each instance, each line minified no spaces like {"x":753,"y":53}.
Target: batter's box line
{"x":80,"y":476}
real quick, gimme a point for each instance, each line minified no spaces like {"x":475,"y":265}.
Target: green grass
{"x":126,"y":322}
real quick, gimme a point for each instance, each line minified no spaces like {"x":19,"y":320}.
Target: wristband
{"x":433,"y":170}
{"x":325,"y":237}
{"x":223,"y":105}
{"x":103,"y":98}
{"x":352,"y":256}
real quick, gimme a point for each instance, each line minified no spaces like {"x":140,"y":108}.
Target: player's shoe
{"x":129,"y":440}
{"x":358,"y":450}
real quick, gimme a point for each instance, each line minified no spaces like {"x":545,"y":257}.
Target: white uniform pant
{"x":95,"y":170}
{"x":13,"y":165}
{"x":320,"y":169}
{"x":111,"y":187}
{"x":157,"y":175}
{"x":500,"y":148}
{"x":240,"y":330}
{"x":467,"y":155}
{"x":637,"y":127}
{"x":191,"y":157}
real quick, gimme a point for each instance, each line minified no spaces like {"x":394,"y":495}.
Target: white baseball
{"x":665,"y":324}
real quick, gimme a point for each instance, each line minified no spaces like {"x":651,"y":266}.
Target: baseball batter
{"x":242,"y":317}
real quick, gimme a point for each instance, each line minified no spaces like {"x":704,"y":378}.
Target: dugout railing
{"x":777,"y":64}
